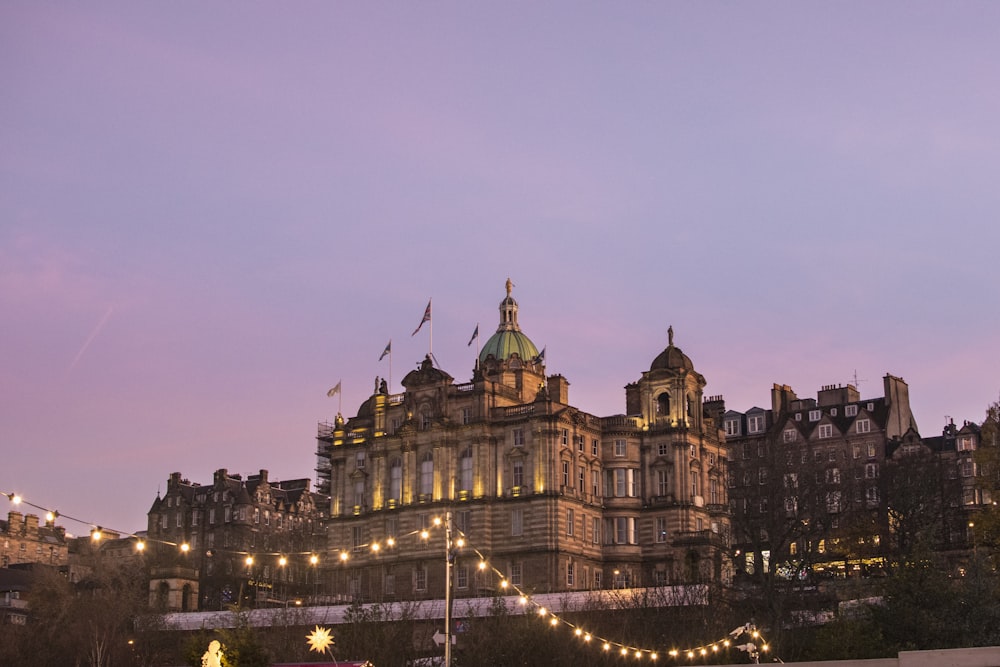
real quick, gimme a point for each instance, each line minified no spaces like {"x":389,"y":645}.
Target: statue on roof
{"x":510,"y":285}
{"x":670,"y":334}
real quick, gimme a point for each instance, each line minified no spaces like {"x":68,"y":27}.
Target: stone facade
{"x":554,"y":498}
{"x":24,"y":540}
{"x":249,"y":540}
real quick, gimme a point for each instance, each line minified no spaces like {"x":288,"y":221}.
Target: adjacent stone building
{"x":554,"y":498}
{"x":249,"y":540}
{"x":24,"y":540}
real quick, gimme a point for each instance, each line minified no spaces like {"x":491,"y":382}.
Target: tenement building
{"x":554,"y":498}
{"x":233,"y":541}
{"x":810,"y":479}
{"x":24,"y":540}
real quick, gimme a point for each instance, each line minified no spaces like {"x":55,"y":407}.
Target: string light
{"x":97,"y":533}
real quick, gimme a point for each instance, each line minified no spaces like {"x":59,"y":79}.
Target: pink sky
{"x":211,"y":214}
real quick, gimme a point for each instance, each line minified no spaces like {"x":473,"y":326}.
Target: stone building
{"x":24,"y":540}
{"x":252,"y":540}
{"x":807,"y":484}
{"x":554,"y":498}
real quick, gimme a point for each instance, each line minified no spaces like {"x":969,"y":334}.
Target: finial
{"x":670,"y":334}
{"x":509,"y":285}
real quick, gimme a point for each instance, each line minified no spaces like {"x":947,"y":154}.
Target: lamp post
{"x":449,"y":562}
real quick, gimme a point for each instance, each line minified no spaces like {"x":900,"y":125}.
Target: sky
{"x":212,"y":213}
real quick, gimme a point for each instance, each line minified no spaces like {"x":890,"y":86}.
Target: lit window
{"x":965,"y":443}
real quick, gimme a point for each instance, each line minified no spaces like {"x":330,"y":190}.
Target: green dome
{"x":503,"y":344}
{"x":508,"y":339}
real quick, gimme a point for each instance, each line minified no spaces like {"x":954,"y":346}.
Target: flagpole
{"x":430,"y":350}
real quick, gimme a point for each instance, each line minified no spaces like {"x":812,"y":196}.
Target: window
{"x":871,"y":471}
{"x":755,"y":424}
{"x":790,"y":435}
{"x":420,"y":578}
{"x":715,"y":497}
{"x":597,"y":579}
{"x":256,"y":515}
{"x":462,"y":576}
{"x":826,"y":430}
{"x":517,"y":437}
{"x":791,"y":480}
{"x":425,"y":421}
{"x":791,"y":506}
{"x":833,"y":412}
{"x":661,"y":529}
{"x":871,"y":450}
{"x":359,"y":460}
{"x":863,"y":426}
{"x":396,"y":480}
{"x":620,"y":448}
{"x":357,"y":538}
{"x":621,"y":530}
{"x":565,"y":473}
{"x":850,"y":410}
{"x":831,"y":456}
{"x":462,"y":521}
{"x":570,"y":522}
{"x":798,"y":416}
{"x":518,"y":473}
{"x":967,"y":468}
{"x":580,"y":443}
{"x":595,"y":482}
{"x":732,"y":427}
{"x":595,"y":530}
{"x":465,"y":470}
{"x":762,"y":476}
{"x":515,"y":574}
{"x":870,"y":407}
{"x":595,"y":447}
{"x":359,"y":493}
{"x":390,"y":584}
{"x":517,"y":522}
{"x":833,"y":475}
{"x":427,"y":474}
{"x":965,"y":443}
{"x":871,"y":495}
{"x":581,"y":479}
{"x":564,"y":437}
{"x":466,"y":415}
{"x":662,"y":483}
{"x":814,"y":415}
{"x":570,"y":575}
{"x":211,"y":515}
{"x":180,"y":520}
{"x":663,"y":449}
{"x":833,"y":502}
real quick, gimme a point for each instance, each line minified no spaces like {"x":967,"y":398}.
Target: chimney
{"x":558,"y":389}
{"x":15,"y":521}
{"x":31,"y":524}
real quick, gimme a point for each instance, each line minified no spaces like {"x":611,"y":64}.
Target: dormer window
{"x":732,"y":427}
{"x":815,"y":415}
{"x":851,"y":410}
{"x":965,"y":443}
{"x":755,"y":424}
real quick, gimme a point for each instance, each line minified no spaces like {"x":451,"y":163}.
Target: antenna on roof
{"x":857,"y":381}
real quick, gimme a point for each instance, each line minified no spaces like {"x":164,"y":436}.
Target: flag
{"x":387,"y":350}
{"x":333,"y":392}
{"x":540,"y":359}
{"x":426,"y":318}
{"x":475,"y":335}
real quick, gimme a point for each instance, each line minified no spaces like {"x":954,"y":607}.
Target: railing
{"x":468,"y":386}
{"x":619,"y":421}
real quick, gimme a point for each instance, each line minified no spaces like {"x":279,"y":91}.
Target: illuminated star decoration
{"x":320,"y":640}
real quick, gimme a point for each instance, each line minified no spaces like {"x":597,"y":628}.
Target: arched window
{"x":663,"y":405}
